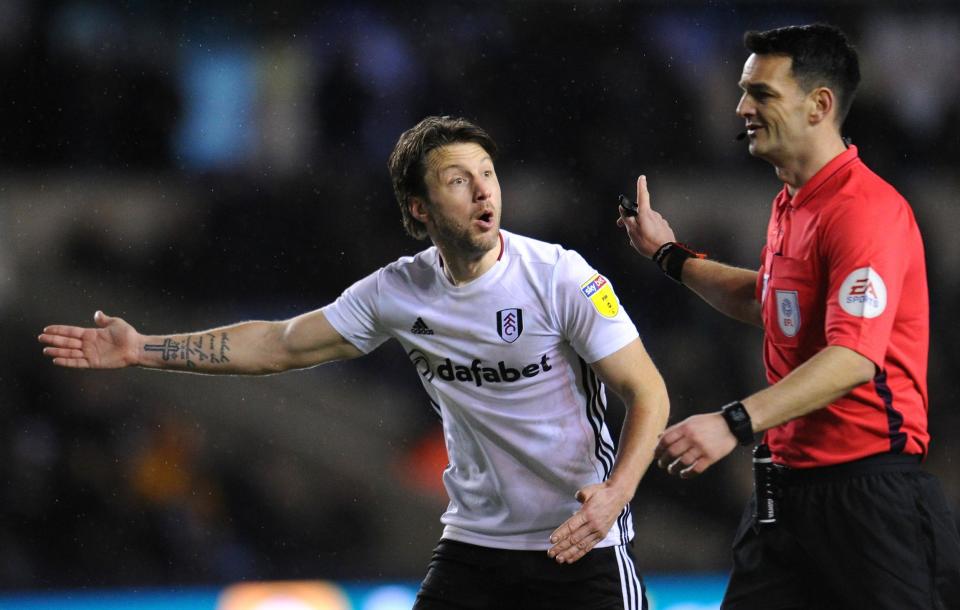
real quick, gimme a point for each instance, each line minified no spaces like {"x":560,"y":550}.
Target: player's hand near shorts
{"x":601,"y":505}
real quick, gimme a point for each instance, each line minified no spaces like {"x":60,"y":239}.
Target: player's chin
{"x":488,"y":237}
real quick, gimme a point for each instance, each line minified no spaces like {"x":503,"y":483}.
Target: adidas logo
{"x":420,"y":328}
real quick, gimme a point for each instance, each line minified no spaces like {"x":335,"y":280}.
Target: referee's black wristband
{"x":671,"y":256}
{"x":738,"y":420}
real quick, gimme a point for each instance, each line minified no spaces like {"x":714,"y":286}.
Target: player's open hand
{"x":601,"y":505}
{"x":113,"y":344}
{"x":648,"y":230}
{"x":688,"y":448}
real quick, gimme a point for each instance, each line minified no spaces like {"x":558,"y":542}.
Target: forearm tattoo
{"x":194,"y":350}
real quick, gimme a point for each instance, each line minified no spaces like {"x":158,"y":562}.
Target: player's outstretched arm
{"x":631,"y":374}
{"x":729,"y":290}
{"x":251,"y":348}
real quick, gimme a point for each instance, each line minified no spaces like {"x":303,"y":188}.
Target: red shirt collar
{"x":828,"y":171}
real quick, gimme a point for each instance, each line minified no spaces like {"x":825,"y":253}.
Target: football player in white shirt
{"x":514,"y":340}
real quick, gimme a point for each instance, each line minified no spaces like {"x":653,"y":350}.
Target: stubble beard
{"x":459,"y":239}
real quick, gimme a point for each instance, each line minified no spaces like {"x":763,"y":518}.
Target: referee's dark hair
{"x":822,"y":57}
{"x":406,"y":162}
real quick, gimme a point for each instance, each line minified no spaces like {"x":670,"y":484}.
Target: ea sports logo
{"x":863,"y":293}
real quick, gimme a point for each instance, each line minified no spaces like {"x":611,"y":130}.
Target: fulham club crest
{"x":510,"y":324}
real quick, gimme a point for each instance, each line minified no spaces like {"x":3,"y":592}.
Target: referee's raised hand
{"x":647,"y":230}
{"x":113,"y":344}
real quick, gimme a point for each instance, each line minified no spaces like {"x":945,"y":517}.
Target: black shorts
{"x":876,"y":533}
{"x":468,"y":577}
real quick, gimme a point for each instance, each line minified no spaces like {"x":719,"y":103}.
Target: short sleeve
{"x":589,"y":314}
{"x":761,"y":286}
{"x":863,"y":245}
{"x":355,"y":314}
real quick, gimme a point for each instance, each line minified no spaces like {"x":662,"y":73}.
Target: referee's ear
{"x":822,"y":106}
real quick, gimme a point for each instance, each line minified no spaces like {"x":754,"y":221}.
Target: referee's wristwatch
{"x":738,"y":420}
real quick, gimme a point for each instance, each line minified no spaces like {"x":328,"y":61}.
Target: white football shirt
{"x":504,"y":360}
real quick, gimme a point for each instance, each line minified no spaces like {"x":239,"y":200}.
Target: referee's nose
{"x":745,"y":107}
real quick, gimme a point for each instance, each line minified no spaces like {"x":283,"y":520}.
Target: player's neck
{"x":462,"y":269}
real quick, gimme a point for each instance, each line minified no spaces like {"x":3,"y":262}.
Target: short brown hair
{"x":406,"y":162}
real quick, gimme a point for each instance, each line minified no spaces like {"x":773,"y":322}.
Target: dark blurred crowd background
{"x":189,"y":164}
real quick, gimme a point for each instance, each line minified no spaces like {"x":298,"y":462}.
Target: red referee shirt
{"x":844,"y":265}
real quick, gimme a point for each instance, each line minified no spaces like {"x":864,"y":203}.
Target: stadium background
{"x":185,"y":165}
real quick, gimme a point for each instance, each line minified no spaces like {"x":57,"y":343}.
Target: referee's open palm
{"x":113,"y":344}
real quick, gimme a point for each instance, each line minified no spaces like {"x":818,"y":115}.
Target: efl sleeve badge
{"x":600,"y":292}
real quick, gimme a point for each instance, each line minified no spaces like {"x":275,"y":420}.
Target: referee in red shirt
{"x":847,"y":518}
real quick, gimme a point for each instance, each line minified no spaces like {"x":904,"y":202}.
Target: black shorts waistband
{"x":874,"y":464}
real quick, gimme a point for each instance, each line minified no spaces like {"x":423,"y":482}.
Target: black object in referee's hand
{"x":629,"y":207}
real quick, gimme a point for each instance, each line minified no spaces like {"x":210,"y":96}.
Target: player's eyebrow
{"x":456,"y":165}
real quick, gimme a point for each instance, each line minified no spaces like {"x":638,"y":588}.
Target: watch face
{"x":739,"y":422}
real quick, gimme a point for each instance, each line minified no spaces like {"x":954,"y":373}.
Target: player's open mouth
{"x":485,"y":220}
{"x":752,"y":129}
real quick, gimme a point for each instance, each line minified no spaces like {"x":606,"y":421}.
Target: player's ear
{"x":418,"y":209}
